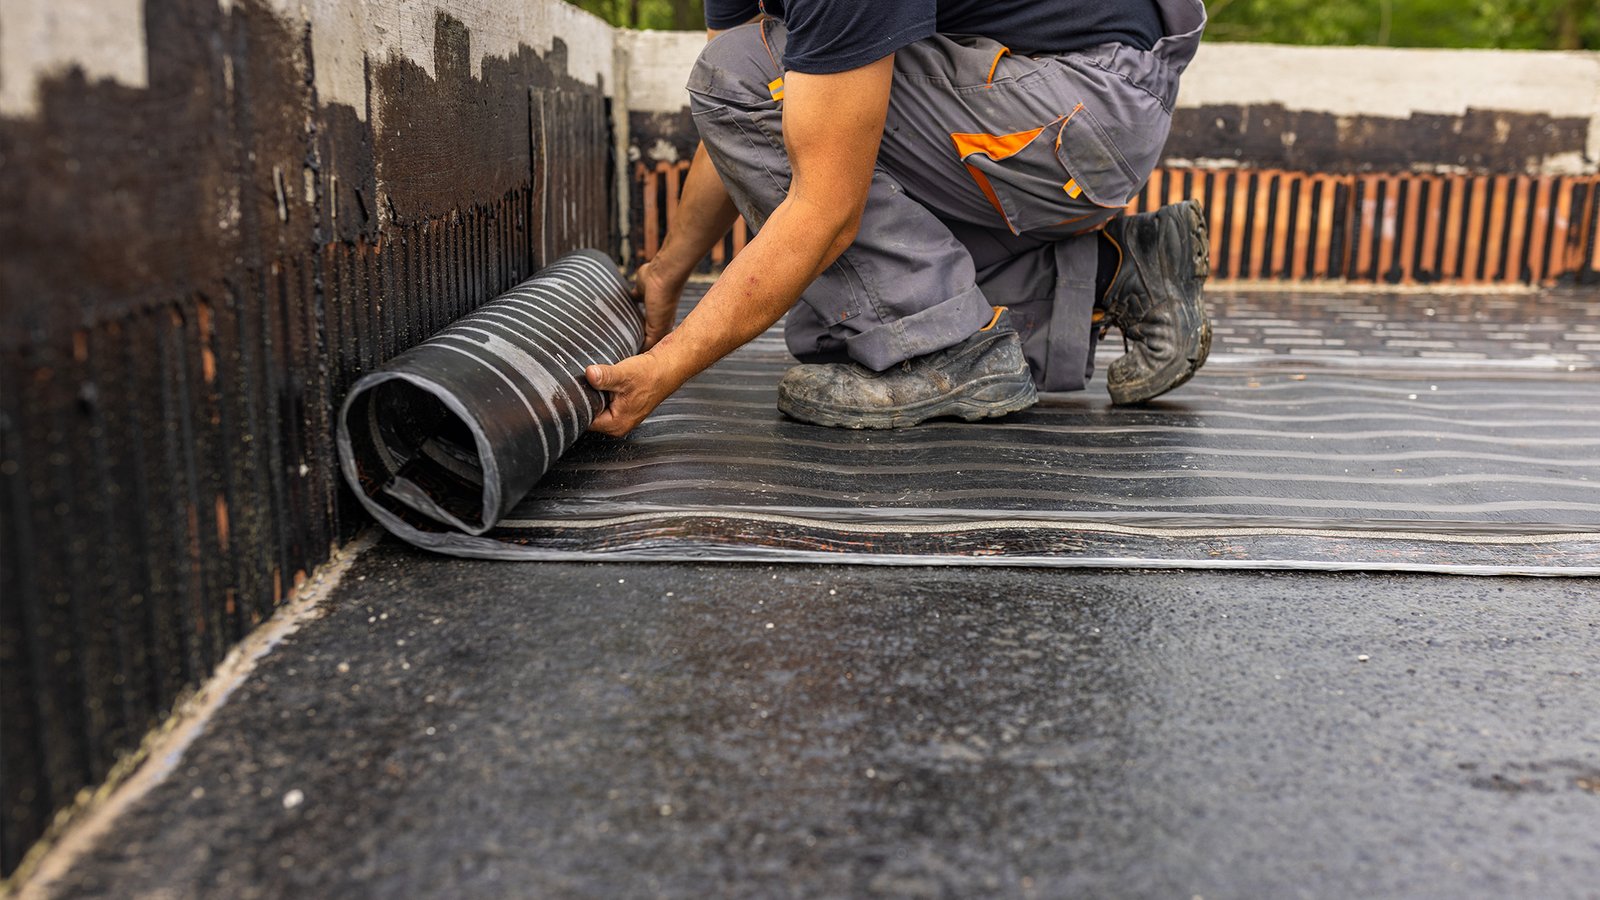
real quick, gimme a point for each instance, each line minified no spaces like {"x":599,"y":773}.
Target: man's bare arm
{"x":832,"y":126}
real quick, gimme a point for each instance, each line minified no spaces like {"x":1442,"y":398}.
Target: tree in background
{"x":672,"y":15}
{"x":1509,"y":24}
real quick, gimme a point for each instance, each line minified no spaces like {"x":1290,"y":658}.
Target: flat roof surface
{"x":478,"y":728}
{"x":484,"y":729}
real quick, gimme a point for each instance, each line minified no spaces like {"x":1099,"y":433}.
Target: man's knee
{"x":738,"y":65}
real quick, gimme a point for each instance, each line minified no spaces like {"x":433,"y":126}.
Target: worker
{"x":937,"y":192}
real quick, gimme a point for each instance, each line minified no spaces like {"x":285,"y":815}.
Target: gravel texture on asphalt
{"x":507,"y":730}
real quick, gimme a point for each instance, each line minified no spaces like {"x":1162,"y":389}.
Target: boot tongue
{"x":1109,"y":260}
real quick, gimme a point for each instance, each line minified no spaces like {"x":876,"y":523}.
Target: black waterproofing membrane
{"x":1259,"y":462}
{"x":445,"y":439}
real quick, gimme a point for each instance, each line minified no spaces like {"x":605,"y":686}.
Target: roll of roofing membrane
{"x":444,"y":439}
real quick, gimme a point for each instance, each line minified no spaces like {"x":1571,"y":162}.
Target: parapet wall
{"x":1346,"y":163}
{"x":1332,"y":110}
{"x":213,"y":218}
{"x":1337,"y":110}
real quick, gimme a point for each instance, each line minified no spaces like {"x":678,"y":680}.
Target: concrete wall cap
{"x":40,"y":39}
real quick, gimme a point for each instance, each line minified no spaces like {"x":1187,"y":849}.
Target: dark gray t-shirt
{"x":828,"y":36}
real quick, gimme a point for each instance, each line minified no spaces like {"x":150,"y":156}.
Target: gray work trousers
{"x":994,"y":173}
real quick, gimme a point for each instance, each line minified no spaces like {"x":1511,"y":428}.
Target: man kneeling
{"x":939,"y":184}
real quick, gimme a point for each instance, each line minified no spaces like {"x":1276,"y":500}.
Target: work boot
{"x":981,"y":377}
{"x":1155,"y":301}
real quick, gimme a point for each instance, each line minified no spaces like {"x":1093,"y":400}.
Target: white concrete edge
{"x":1393,"y":82}
{"x":164,"y":748}
{"x":658,"y":68}
{"x":1344,"y":81}
{"x":344,"y":33}
{"x":106,"y":39}
{"x":1384,"y":82}
{"x":40,"y":39}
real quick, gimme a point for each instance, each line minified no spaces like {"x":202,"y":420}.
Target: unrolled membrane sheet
{"x":1370,"y":463}
{"x":449,"y":436}
{"x":1251,"y":465}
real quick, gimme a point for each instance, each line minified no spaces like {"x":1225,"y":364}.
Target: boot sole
{"x":989,"y":400}
{"x":1179,"y":371}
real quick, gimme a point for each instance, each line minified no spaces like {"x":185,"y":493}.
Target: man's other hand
{"x":660,"y":292}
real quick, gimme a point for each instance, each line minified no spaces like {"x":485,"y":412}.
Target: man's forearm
{"x":800,"y":239}
{"x":797,"y":242}
{"x":704,"y":215}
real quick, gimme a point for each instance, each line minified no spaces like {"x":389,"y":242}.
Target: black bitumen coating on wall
{"x":194,"y":272}
{"x":1269,"y":136}
{"x":511,"y":730}
{"x":1478,"y":140}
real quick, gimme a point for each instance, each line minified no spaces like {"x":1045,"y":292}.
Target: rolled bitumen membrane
{"x":449,"y":436}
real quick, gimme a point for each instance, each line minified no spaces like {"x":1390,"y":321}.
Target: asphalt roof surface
{"x":483,"y":729}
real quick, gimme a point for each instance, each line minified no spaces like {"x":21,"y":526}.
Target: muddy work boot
{"x":1155,"y":301}
{"x":981,"y":377}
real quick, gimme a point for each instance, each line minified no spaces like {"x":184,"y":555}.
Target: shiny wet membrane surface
{"x":1431,"y":432}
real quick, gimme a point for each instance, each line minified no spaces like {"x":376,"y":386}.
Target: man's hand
{"x":660,"y":292}
{"x":634,"y":386}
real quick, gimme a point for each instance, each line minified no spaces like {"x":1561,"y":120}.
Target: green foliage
{"x":1510,"y":24}
{"x":679,"y":15}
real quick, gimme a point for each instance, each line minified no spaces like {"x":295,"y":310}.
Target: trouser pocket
{"x":1059,"y":172}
